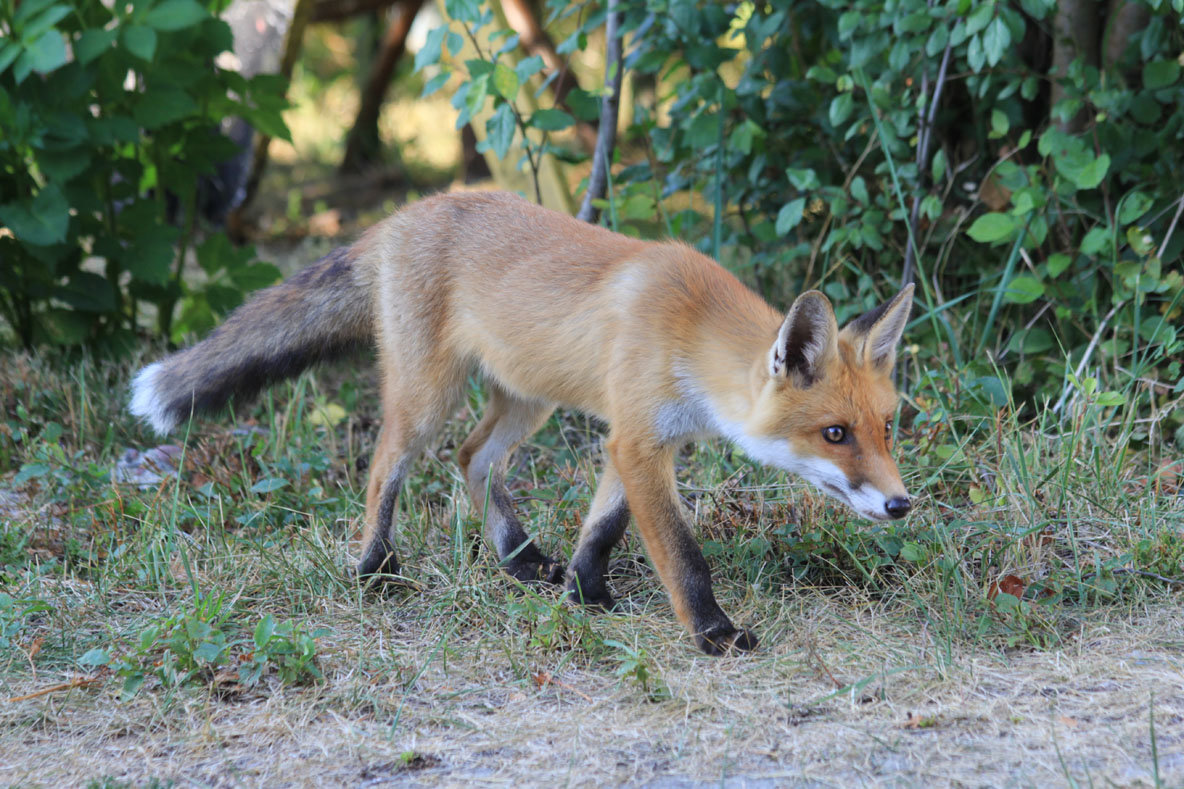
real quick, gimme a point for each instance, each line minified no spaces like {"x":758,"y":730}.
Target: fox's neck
{"x":729,"y":366}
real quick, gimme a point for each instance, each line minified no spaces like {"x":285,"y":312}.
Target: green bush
{"x":110,"y":117}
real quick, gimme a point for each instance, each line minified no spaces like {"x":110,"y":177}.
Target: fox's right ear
{"x":807,"y":339}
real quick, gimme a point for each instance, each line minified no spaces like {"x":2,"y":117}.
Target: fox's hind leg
{"x":415,"y":404}
{"x":507,"y":421}
{"x":603,"y":528}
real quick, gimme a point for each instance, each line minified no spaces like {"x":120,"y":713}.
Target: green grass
{"x":200,"y":599}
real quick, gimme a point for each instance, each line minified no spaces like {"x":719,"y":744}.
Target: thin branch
{"x":77,"y":682}
{"x":923,"y":145}
{"x":1172,"y":227}
{"x":606,"y":136}
{"x":1089,"y":350}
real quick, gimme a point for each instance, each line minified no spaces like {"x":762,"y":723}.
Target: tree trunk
{"x":534,"y":39}
{"x":1075,"y":35}
{"x":363,"y":147}
{"x":1123,"y":20}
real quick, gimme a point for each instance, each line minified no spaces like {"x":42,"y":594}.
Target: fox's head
{"x":827,"y":403}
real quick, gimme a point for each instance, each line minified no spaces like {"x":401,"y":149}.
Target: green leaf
{"x":151,"y":255}
{"x":157,"y":108}
{"x":840,"y":108}
{"x":43,"y":221}
{"x":1160,"y":74}
{"x":30,"y":471}
{"x":505,"y":81}
{"x":528,"y":67}
{"x":43,"y":21}
{"x":9,"y":51}
{"x":938,"y":168}
{"x":1095,"y":241}
{"x":175,"y":15}
{"x":1110,"y":399}
{"x":500,"y":130}
{"x":979,"y":18}
{"x":912,"y":552}
{"x":1091,"y":175}
{"x":1058,"y":263}
{"x":790,"y":215}
{"x":803,"y":179}
{"x":992,"y":227}
{"x":859,"y":189}
{"x":264,"y":631}
{"x":996,"y":39}
{"x":551,"y":120}
{"x":94,"y":658}
{"x":209,"y":652}
{"x":47,"y":52}
{"x":254,"y":277}
{"x":822,"y":74}
{"x":999,"y":124}
{"x":1134,"y":205}
{"x":93,"y":43}
{"x":87,"y":292}
{"x":435,"y":83}
{"x":268,"y":485}
{"x":1024,"y":289}
{"x":1140,"y":240}
{"x":429,"y":53}
{"x":140,"y":41}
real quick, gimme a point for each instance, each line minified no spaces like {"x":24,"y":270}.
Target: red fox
{"x":655,"y":339}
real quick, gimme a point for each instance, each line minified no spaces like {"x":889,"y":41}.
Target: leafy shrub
{"x":110,"y":117}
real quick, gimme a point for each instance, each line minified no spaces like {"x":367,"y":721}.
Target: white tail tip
{"x":147,"y":401}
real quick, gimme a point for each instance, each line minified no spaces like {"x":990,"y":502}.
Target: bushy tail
{"x":320,"y":313}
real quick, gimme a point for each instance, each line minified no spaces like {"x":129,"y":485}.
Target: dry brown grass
{"x":442,"y":697}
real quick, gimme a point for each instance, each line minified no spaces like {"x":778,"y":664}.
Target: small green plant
{"x":288,"y":648}
{"x":635,"y":665}
{"x":200,"y":645}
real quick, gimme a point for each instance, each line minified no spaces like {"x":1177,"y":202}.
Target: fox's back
{"x":536,"y":297}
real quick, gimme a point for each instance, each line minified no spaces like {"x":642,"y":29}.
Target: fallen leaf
{"x":1008,"y":584}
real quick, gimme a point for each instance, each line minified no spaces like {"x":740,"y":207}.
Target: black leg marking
{"x":520,"y":557}
{"x":586,"y":577}
{"x":378,"y":557}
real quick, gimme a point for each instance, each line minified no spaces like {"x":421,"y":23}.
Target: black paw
{"x":378,"y":565}
{"x":543,"y":570}
{"x":593,"y":594}
{"x":722,"y":639}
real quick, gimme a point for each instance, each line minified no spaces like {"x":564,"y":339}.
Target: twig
{"x":818,"y":659}
{"x":606,"y":135}
{"x":1089,"y":349}
{"x":1172,"y":227}
{"x":544,"y":678}
{"x":922,"y":159}
{"x":77,"y":682}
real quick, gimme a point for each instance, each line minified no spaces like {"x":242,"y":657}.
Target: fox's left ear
{"x":876,"y":333}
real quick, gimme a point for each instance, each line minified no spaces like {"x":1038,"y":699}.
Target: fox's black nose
{"x":898,"y":507}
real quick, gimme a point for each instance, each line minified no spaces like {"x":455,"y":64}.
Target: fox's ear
{"x":876,"y":333}
{"x":807,"y":339}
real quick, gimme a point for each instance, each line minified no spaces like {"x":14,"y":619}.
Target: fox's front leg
{"x":648,"y":476}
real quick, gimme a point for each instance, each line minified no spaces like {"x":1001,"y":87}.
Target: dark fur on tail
{"x":323,"y":312}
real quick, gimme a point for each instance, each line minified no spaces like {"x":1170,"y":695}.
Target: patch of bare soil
{"x":413,"y":702}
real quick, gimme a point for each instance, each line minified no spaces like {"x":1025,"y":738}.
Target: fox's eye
{"x":834,"y":434}
{"x":888,"y":431}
